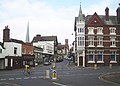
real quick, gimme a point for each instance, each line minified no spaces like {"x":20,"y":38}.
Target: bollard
{"x":95,"y":66}
{"x":47,"y":74}
{"x":110,"y":66}
{"x":53,"y":66}
{"x":54,"y":74}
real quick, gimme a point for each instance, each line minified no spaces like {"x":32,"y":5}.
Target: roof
{"x":44,"y":38}
{"x":59,"y":47}
{"x":16,"y":41}
{"x":112,"y":19}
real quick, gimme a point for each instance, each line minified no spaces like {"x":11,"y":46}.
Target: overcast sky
{"x":48,"y":17}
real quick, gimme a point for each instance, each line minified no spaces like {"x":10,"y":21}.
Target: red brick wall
{"x":28,"y":48}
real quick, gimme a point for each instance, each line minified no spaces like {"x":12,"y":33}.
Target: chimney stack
{"x":6,"y":34}
{"x":118,"y":14}
{"x":107,"y":14}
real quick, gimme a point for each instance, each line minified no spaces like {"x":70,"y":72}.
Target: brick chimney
{"x":107,"y":14}
{"x":6,"y":34}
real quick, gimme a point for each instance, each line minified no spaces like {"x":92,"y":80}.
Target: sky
{"x":48,"y":17}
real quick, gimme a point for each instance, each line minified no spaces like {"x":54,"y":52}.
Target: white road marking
{"x":59,"y":84}
{"x":40,"y":76}
{"x":33,"y":77}
{"x":19,"y":78}
{"x":2,"y":79}
{"x":26,"y":77}
{"x":11,"y":78}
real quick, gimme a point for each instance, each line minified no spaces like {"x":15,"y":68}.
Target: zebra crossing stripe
{"x":33,"y":77}
{"x":19,"y":78}
{"x":11,"y":78}
{"x":2,"y":79}
{"x":26,"y":77}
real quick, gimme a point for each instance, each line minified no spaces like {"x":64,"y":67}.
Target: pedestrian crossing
{"x":22,"y":78}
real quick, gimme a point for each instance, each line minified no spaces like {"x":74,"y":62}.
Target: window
{"x":91,"y":56}
{"x":80,"y":41}
{"x":80,"y":30}
{"x":112,"y":30}
{"x":24,"y":51}
{"x":100,"y":41}
{"x":112,"y":41}
{"x":31,"y":51}
{"x":15,"y":50}
{"x":91,"y":40}
{"x":99,"y":30}
{"x":100,"y":56}
{"x":112,"y":56}
{"x":0,"y":50}
{"x":90,"y":30}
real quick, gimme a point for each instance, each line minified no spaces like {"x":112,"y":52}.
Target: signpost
{"x":54,"y":72}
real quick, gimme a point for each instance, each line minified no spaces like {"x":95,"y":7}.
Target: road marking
{"x":59,"y":84}
{"x":33,"y":77}
{"x":26,"y":77}
{"x":18,"y":78}
{"x":40,"y":76}
{"x":11,"y":78}
{"x":2,"y":79}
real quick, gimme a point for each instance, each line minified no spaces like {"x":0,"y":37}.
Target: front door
{"x":81,"y":60}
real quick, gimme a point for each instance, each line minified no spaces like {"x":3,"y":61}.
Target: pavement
{"x":111,"y":78}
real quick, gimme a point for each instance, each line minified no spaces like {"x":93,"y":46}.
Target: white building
{"x":12,"y":49}
{"x":47,"y":46}
{"x":48,"y":49}
{"x":80,"y":38}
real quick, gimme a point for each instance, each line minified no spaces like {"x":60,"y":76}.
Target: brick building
{"x":102,"y":39}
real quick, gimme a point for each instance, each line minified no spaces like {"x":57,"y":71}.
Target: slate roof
{"x":112,"y":19}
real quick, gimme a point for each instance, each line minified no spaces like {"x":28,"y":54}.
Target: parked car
{"x":69,"y":59}
{"x":46,"y":61}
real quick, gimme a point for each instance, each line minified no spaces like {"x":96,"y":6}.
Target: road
{"x":67,"y":75}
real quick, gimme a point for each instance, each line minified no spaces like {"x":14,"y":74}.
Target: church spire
{"x":80,"y":10}
{"x":27,"y":34}
{"x":80,"y":15}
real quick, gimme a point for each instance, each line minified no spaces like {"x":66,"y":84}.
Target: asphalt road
{"x":67,"y":75}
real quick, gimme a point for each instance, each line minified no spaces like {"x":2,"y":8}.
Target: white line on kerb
{"x":59,"y":84}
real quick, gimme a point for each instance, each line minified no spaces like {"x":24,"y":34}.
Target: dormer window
{"x":90,"y":30}
{"x":112,"y":30}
